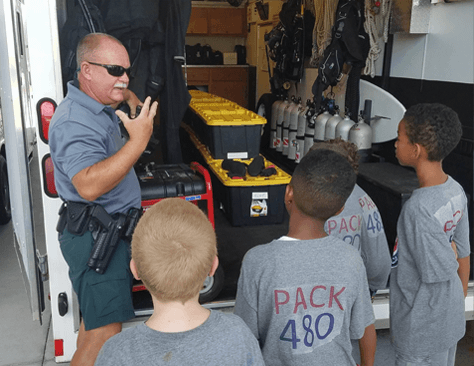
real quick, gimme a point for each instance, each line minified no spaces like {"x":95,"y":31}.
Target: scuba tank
{"x":309,"y":129}
{"x":299,"y":142}
{"x":280,"y":115}
{"x":361,"y":133}
{"x":273,"y":123}
{"x":343,"y":127}
{"x":320,"y":126}
{"x":286,"y":124}
{"x":293,"y":128}
{"x":331,"y":124}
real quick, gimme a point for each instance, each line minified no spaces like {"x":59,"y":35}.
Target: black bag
{"x":217,"y":58}
{"x":193,"y":54}
{"x":241,"y":54}
{"x":84,"y":18}
{"x":206,"y":55}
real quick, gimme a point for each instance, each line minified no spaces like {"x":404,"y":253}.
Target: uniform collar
{"x":78,"y":96}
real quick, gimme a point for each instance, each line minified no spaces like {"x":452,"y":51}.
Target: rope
{"x":376,"y":25}
{"x":324,"y":13}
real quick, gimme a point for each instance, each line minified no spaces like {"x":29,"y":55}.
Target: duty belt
{"x":107,"y":230}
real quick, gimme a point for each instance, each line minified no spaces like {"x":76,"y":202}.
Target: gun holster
{"x":106,"y":230}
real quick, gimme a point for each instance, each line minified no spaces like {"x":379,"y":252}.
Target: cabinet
{"x":224,"y":81}
{"x":218,"y":22}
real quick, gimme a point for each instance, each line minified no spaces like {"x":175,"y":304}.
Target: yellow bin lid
{"x":215,"y":165}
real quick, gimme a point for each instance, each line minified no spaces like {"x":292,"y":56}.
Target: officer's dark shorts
{"x":103,"y":298}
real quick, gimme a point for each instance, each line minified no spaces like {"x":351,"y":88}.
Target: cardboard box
{"x":230,"y":58}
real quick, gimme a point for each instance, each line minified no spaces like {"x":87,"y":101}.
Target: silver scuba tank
{"x":331,"y":124}
{"x":281,"y":111}
{"x":293,"y":128}
{"x":320,"y":126}
{"x":343,"y":127}
{"x":286,"y":125}
{"x":300,"y":132}
{"x":273,"y":123}
{"x":361,"y":133}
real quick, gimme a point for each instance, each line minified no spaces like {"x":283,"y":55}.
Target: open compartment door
{"x":19,"y":133}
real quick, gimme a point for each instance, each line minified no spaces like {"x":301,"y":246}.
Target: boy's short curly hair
{"x":322,"y":182}
{"x":434,"y":126}
{"x":342,"y":147}
{"x":173,"y":247}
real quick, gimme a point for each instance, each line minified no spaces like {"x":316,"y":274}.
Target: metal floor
{"x":27,"y":343}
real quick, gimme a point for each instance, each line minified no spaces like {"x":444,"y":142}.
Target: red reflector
{"x":48,"y":177}
{"x":138,"y":288}
{"x":45,"y":109}
{"x":58,"y":347}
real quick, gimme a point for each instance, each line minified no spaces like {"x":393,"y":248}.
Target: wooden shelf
{"x":218,"y":22}
{"x":230,"y":82}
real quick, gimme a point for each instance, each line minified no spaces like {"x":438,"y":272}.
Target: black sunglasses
{"x":114,"y":70}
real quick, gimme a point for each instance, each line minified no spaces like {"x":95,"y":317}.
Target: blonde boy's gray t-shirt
{"x":426,"y":294}
{"x":222,"y":340}
{"x":305,"y":300}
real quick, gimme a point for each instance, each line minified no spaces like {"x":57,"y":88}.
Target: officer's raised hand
{"x":140,"y":128}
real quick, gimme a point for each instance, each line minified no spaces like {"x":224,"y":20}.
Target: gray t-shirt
{"x":223,"y":339}
{"x":84,"y":132}
{"x":426,"y":294}
{"x":305,"y":300}
{"x":360,"y":225}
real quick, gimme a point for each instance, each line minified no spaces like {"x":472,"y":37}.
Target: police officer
{"x":93,"y":165}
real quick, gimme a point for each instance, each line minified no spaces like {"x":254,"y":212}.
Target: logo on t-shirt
{"x":395,"y":254}
{"x":309,"y":316}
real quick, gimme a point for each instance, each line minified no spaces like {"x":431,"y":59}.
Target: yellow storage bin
{"x":229,"y":130}
{"x":248,"y":200}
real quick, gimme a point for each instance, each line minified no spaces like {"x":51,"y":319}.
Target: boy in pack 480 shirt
{"x":305,"y":295}
{"x":360,"y":223}
{"x":429,"y":279}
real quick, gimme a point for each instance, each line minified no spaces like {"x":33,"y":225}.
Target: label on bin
{"x":259,"y":195}
{"x":238,"y":155}
{"x":258,"y":208}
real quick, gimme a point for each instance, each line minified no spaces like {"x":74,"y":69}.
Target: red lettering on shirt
{"x":278,"y":303}
{"x":311,"y":297}
{"x":366,"y":200}
{"x":358,"y":218}
{"x":332,"y":296}
{"x":343,"y":225}
{"x":332,"y":224}
{"x":451,"y":224}
{"x":301,"y":301}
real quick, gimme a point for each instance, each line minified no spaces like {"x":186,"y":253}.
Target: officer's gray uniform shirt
{"x":426,"y":294}
{"x":84,"y":132}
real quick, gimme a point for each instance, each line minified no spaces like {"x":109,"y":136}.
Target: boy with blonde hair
{"x":428,"y":281}
{"x":305,"y":295}
{"x":173,"y":250}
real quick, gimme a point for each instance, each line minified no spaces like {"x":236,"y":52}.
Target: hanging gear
{"x":84,"y":18}
{"x":350,"y":45}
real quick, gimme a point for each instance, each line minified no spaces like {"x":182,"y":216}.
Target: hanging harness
{"x":349,"y":45}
